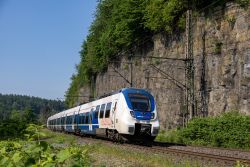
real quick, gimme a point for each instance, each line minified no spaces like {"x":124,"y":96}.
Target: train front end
{"x":140,"y":120}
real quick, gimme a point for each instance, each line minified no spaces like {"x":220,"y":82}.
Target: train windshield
{"x":140,"y":102}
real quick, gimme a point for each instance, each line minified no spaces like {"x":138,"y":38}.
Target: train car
{"x":129,"y":114}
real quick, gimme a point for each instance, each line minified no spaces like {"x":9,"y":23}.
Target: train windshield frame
{"x":140,"y":102}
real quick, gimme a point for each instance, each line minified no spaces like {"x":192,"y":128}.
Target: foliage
{"x":16,"y":124}
{"x":11,"y":129}
{"x":40,"y":153}
{"x":117,"y":25}
{"x":230,"y":130}
{"x":171,"y":136}
{"x":17,"y":111}
{"x":21,"y":104}
{"x":243,"y":3}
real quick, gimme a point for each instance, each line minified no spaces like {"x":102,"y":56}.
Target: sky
{"x":40,"y":42}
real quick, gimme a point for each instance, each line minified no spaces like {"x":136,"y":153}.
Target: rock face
{"x":221,"y":50}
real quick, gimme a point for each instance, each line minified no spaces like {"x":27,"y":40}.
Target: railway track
{"x":234,"y":154}
{"x":210,"y":156}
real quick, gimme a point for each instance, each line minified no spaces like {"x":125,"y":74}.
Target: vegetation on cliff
{"x":121,"y":25}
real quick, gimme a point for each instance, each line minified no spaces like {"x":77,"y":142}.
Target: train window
{"x":67,"y":120}
{"x":79,"y":119}
{"x":75,"y":119}
{"x":58,"y":121}
{"x":107,"y":112}
{"x":90,"y":118}
{"x":139,"y":102}
{"x":63,"y":120}
{"x":96,"y":111}
{"x":83,"y":119}
{"x":96,"y":115}
{"x":102,"y":110}
{"x":92,"y":114}
{"x":87,"y":119}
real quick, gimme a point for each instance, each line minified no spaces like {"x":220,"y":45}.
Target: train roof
{"x":77,"y":108}
{"x":123,"y":90}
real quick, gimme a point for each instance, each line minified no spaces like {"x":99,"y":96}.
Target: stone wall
{"x":221,"y":46}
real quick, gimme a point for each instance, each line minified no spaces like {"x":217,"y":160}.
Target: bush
{"x":172,"y":136}
{"x":11,"y":129}
{"x":40,"y":153}
{"x":230,"y":130}
{"x":14,"y":153}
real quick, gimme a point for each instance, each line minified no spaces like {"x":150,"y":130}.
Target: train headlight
{"x":152,"y":115}
{"x":132,"y":114}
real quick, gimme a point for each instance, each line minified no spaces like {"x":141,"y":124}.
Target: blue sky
{"x":40,"y":42}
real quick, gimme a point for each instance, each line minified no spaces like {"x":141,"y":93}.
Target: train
{"x":126,"y":115}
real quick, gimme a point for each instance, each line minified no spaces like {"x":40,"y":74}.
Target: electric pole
{"x":190,"y":92}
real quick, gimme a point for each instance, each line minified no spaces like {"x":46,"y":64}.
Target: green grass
{"x":113,"y":155}
{"x":139,"y":158}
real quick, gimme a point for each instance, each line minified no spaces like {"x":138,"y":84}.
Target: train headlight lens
{"x":152,"y":115}
{"x":132,"y":114}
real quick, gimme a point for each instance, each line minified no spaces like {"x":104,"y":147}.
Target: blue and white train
{"x":129,"y":114}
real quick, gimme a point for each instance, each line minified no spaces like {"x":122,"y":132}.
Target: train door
{"x":95,"y":117}
{"x":107,"y":119}
{"x":113,"y":115}
{"x":66,"y":123}
{"x":75,"y":118}
{"x":62,"y":123}
{"x":101,"y":115}
{"x":90,"y":120}
{"x":72,"y":122}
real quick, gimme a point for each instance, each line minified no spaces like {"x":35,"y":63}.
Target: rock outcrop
{"x":221,"y":50}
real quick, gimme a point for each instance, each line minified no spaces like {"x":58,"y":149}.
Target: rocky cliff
{"x":221,"y":50}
